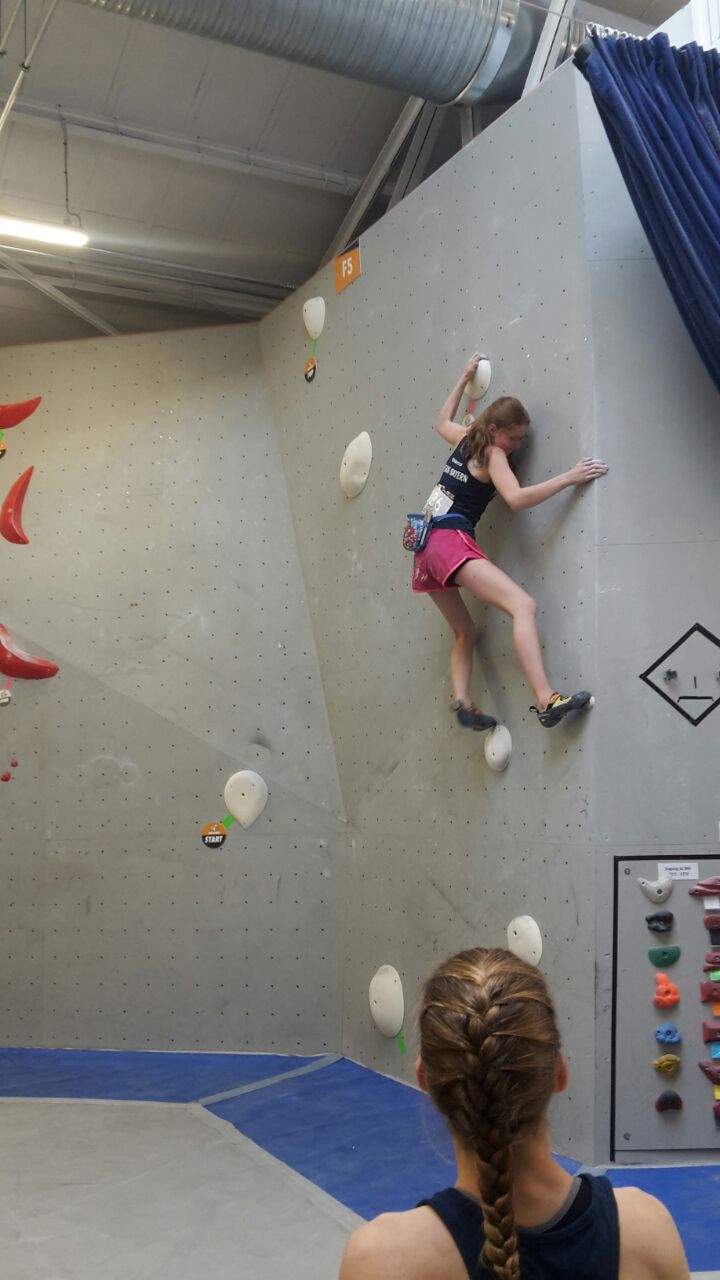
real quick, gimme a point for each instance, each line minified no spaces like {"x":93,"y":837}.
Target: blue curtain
{"x":661,"y":110}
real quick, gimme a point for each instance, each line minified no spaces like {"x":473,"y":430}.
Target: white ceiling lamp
{"x":21,"y":229}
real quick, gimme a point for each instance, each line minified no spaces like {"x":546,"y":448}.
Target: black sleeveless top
{"x":582,"y":1242}
{"x":470,"y":496}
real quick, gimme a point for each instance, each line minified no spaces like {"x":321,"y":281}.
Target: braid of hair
{"x":489,"y":1045}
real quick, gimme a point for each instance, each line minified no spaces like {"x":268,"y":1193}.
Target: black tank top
{"x":470,"y":496}
{"x":581,"y":1243}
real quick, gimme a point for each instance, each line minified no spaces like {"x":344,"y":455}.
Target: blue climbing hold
{"x":667,"y":1033}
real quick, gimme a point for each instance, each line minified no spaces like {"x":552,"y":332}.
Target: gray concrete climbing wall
{"x":526,"y":244}
{"x":162,"y":576}
{"x":488,"y":253}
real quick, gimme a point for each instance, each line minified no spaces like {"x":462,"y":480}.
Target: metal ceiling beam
{"x":51,"y":292}
{"x":419,"y":153}
{"x":375,"y":178}
{"x":235,"y":305}
{"x":25,"y":64}
{"x":549,"y":45}
{"x":190,"y":149}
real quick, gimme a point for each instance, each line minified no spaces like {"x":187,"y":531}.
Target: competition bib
{"x":438,"y":504}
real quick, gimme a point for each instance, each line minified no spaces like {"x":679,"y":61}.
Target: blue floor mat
{"x":136,"y":1077}
{"x":692,"y":1195}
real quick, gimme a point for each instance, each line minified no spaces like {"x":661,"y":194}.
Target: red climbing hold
{"x":15,"y":662}
{"x":712,"y":1071}
{"x":711,"y":1032}
{"x":669,"y":1101}
{"x":14,"y":763}
{"x":12,"y":414}
{"x":712,"y":923}
{"x":710,"y":994}
{"x":11,"y":511}
{"x":667,"y":993}
{"x":709,"y":887}
{"x":5,"y":777}
{"x":712,"y":961}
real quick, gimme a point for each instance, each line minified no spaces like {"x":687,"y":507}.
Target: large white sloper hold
{"x":387,"y":1002}
{"x":656,"y":890}
{"x":479,"y":383}
{"x":314,"y":317}
{"x":498,"y":748}
{"x":525,"y":939}
{"x":245,"y":795}
{"x":355,"y":466}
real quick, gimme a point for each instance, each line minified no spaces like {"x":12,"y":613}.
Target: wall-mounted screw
{"x":669,"y":674}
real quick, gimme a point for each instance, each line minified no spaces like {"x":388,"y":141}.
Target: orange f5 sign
{"x":347,"y":267}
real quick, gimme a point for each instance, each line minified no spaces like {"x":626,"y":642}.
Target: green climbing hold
{"x":664,"y":956}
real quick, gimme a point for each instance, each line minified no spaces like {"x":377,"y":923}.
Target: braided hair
{"x":489,"y":1045}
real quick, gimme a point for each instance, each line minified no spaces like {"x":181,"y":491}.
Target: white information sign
{"x":679,"y":870}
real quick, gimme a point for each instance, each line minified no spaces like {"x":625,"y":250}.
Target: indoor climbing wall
{"x":487,"y":254}
{"x":161,"y":575}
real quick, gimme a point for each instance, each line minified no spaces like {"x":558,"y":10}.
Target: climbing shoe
{"x":470,"y":717}
{"x":559,"y":706}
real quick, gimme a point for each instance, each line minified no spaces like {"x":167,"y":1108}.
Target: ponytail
{"x":503,"y":413}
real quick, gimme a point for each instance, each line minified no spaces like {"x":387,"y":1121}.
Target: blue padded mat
{"x":372,"y":1143}
{"x":136,"y":1077}
{"x":692,"y":1195}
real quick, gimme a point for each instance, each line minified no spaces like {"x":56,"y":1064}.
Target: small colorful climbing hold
{"x":709,"y":888}
{"x":669,"y":1101}
{"x":664,"y":956}
{"x":5,"y":777}
{"x":711,"y":1032}
{"x":712,"y":922}
{"x":667,"y":994}
{"x":712,"y":1071}
{"x":709,"y":992}
{"x":667,"y":1033}
{"x":712,"y":961}
{"x":660,"y":921}
{"x":667,"y":1064}
{"x":656,"y":890}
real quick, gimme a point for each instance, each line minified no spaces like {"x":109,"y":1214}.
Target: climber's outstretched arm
{"x":519,"y":498}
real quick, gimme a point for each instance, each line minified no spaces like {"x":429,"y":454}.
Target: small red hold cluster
{"x":6,"y":776}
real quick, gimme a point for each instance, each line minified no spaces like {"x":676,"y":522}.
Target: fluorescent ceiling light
{"x":42,"y":231}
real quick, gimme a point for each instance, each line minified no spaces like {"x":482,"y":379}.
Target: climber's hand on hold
{"x":587,"y":469}
{"x":471,"y":367}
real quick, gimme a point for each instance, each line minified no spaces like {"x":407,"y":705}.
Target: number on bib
{"x":438,"y":504}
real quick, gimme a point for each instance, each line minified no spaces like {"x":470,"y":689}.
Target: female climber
{"x":477,"y":469}
{"x":491,"y":1061}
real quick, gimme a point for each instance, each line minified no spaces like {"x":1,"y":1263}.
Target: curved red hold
{"x":12,"y":414}
{"x":11,"y":512}
{"x":15,"y":662}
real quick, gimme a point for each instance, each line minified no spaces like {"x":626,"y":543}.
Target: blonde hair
{"x":489,"y":1045}
{"x":503,"y":413}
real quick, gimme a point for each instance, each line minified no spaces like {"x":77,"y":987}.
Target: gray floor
{"x":147,"y":1191}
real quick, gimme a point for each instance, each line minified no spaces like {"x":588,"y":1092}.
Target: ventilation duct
{"x":445,"y":51}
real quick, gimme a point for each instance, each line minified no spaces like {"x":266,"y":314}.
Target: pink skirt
{"x":446,"y":550}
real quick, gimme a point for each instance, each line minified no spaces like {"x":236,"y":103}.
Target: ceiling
{"x":210,"y":180}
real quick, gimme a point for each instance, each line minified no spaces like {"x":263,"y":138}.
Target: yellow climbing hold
{"x":667,"y":1064}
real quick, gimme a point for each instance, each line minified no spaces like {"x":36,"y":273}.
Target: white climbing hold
{"x":656,"y":890}
{"x":246,"y":795}
{"x":355,"y":466}
{"x":314,"y":317}
{"x":525,"y":939}
{"x":387,"y":1002}
{"x":498,"y":748}
{"x":479,"y":383}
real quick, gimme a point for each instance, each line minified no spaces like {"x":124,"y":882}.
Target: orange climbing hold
{"x":667,"y":993}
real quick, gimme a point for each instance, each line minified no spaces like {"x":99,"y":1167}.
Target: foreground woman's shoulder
{"x":401,"y":1246}
{"x":650,"y":1244}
